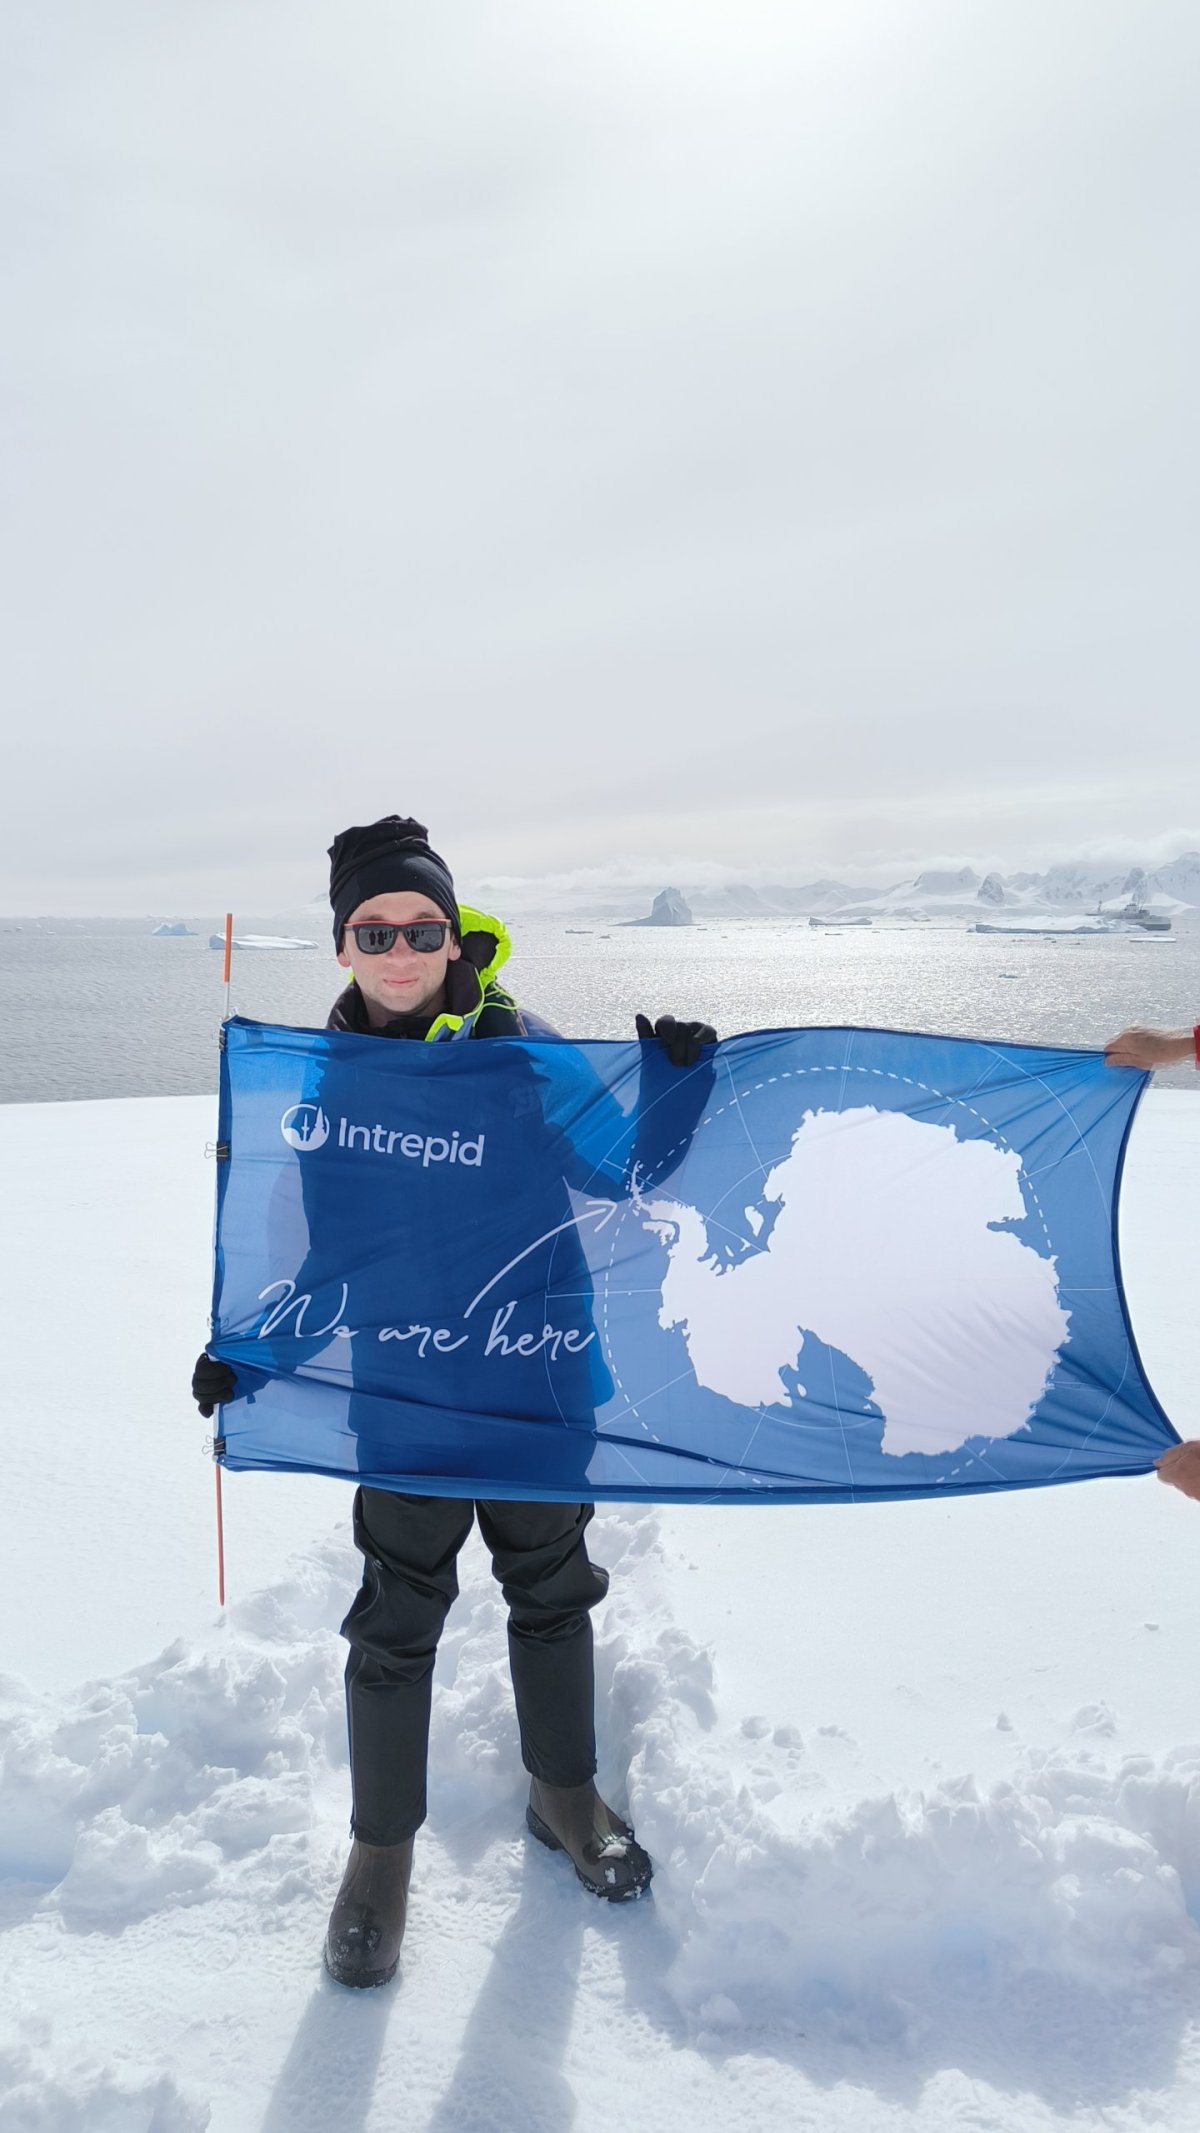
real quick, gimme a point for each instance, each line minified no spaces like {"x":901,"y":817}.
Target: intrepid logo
{"x":418,"y":1147}
{"x":305,"y":1126}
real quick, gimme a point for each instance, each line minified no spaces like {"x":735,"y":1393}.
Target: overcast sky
{"x":757,"y":434}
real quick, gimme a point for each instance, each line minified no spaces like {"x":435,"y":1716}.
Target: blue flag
{"x":822,"y":1263}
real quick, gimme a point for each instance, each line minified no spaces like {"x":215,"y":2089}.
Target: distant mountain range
{"x":954,"y":894}
{"x":1173,"y":889}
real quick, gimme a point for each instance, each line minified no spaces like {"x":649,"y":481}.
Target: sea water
{"x":106,"y":1009}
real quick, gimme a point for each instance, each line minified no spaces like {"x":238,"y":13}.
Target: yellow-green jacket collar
{"x":486,"y":947}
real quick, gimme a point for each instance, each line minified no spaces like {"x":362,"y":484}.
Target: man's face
{"x":402,"y":982}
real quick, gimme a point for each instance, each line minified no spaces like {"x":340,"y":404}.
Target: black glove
{"x":212,"y":1384}
{"x":681,"y":1041}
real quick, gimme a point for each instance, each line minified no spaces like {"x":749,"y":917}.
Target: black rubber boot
{"x":366,"y":1925}
{"x":602,"y":1849}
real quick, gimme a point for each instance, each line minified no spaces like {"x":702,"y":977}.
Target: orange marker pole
{"x":216,"y":1461}
{"x":220,"y":1538}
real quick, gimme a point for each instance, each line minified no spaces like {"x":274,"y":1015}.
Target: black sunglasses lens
{"x":374,"y":940}
{"x":424,"y":938}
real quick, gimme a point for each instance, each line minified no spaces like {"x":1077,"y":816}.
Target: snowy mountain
{"x":961,"y":893}
{"x":950,"y":894}
{"x":775,"y":899}
{"x":735,"y":899}
{"x":1179,"y":877}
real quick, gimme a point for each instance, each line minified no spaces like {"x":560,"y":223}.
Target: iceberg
{"x":668,"y":909}
{"x":259,"y":940}
{"x":1046,"y":926}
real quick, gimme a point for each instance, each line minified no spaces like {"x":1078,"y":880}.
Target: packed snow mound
{"x":138,"y":1794}
{"x":1067,"y":1872}
{"x":36,"y":2097}
{"x":212,"y":1781}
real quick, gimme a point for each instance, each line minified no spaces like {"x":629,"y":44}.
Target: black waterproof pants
{"x":410,"y":1547}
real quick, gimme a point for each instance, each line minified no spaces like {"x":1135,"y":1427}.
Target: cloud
{"x":749,"y":432}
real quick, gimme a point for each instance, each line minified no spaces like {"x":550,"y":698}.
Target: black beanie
{"x":381,"y":858}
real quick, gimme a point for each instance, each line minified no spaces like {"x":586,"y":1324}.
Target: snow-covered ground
{"x":922,"y":1781}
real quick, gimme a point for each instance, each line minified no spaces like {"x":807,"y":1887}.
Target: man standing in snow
{"x":1147,"y":1048}
{"x":426,"y":969}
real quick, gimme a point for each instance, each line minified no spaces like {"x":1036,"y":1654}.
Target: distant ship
{"x":1139,"y":914}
